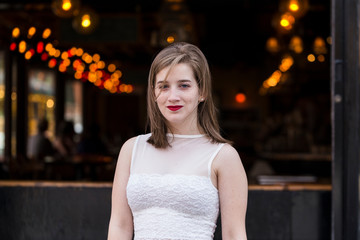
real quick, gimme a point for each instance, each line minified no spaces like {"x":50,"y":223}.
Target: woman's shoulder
{"x":227,"y":155}
{"x":130,"y":143}
{"x":228,"y":150}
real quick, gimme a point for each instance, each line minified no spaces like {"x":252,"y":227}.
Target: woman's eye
{"x":164,"y":86}
{"x":184,"y":85}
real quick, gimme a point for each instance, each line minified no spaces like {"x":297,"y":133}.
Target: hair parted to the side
{"x":190,"y":54}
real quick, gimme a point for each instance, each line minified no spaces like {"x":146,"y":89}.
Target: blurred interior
{"x":270,"y":64}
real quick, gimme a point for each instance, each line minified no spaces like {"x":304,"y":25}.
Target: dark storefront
{"x":286,"y":84}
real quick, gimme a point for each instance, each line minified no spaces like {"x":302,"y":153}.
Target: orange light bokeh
{"x":240,"y":98}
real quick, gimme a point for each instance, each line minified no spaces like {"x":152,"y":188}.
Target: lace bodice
{"x":170,"y":191}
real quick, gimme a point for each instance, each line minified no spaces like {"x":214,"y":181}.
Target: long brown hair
{"x":190,"y":54}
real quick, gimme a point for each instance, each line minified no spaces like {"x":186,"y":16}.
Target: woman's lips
{"x":174,"y":108}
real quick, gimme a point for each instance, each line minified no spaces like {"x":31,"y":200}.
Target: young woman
{"x":171,"y":183}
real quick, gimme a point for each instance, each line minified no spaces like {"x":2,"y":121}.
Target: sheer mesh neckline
{"x":185,"y":135}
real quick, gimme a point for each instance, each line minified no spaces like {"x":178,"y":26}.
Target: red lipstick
{"x":174,"y":108}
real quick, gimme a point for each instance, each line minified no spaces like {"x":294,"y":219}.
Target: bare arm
{"x":233,"y":192}
{"x":121,"y":221}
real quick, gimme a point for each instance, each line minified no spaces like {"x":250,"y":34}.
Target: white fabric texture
{"x":170,"y":192}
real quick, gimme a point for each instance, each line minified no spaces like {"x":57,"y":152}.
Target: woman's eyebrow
{"x":184,"y":80}
{"x":159,"y":82}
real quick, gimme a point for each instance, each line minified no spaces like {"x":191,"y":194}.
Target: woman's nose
{"x":173,"y":95}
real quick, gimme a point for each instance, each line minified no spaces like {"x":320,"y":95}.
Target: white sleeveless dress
{"x":170,"y":192}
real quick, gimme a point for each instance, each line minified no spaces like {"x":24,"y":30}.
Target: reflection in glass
{"x":73,"y":104}
{"x":41,"y":104}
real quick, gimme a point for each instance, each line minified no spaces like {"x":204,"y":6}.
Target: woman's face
{"x":177,"y":96}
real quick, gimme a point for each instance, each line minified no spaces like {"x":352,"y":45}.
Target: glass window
{"x":41,"y":103}
{"x":73,"y":104}
{"x":2,"y":97}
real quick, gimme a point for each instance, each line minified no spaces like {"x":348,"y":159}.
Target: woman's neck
{"x":196,"y":130}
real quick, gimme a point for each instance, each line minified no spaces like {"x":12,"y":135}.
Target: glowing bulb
{"x":118,"y":73}
{"x":28,"y":55}
{"x":319,"y":46}
{"x":62,"y":68}
{"x":93,"y":67}
{"x":96,"y":57}
{"x":52,"y":51}
{"x":272,"y":82}
{"x":16,"y":32}
{"x":79,"y":52}
{"x":50,"y":103}
{"x":12,"y":46}
{"x":22,"y":46}
{"x":113,"y":89}
{"x":287,"y":20}
{"x":66,"y":5}
{"x":64,"y":55}
{"x":66,"y":62}
{"x":101,"y":64}
{"x":88,"y":59}
{"x":284,"y":23}
{"x":111,"y":67}
{"x":311,"y":58}
{"x":57,"y":53}
{"x":73,"y":51}
{"x":44,"y":56}
{"x":78,"y":75}
{"x":321,"y":58}
{"x":328,"y":40}
{"x":48,"y":47}
{"x":85,"y":20}
{"x":296,"y":44}
{"x":31,"y":32}
{"x":294,"y":5}
{"x":170,"y":39}
{"x":98,"y":82}
{"x":52,"y":63}
{"x":272,"y":45}
{"x":240,"y":98}
{"x":46,"y":33}
{"x":130,"y":89}
{"x":40,"y":47}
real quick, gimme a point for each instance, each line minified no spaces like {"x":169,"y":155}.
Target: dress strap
{"x":134,"y":152}
{"x":213,"y":157}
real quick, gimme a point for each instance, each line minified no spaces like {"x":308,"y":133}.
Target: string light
{"x":321,"y":58}
{"x":66,"y":5}
{"x":296,"y":44}
{"x":319,"y":46}
{"x":22,"y":47}
{"x":15,"y":32}
{"x":31,"y":32}
{"x":86,"y":67}
{"x":170,"y":39}
{"x":13,"y":46}
{"x":85,"y":20}
{"x":65,"y":8}
{"x":289,"y":12}
{"x":311,"y":58}
{"x":40,"y":47}
{"x":294,"y":5}
{"x":286,"y":21}
{"x":272,"y":45}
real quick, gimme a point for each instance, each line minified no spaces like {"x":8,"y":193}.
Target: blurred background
{"x":73,"y":79}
